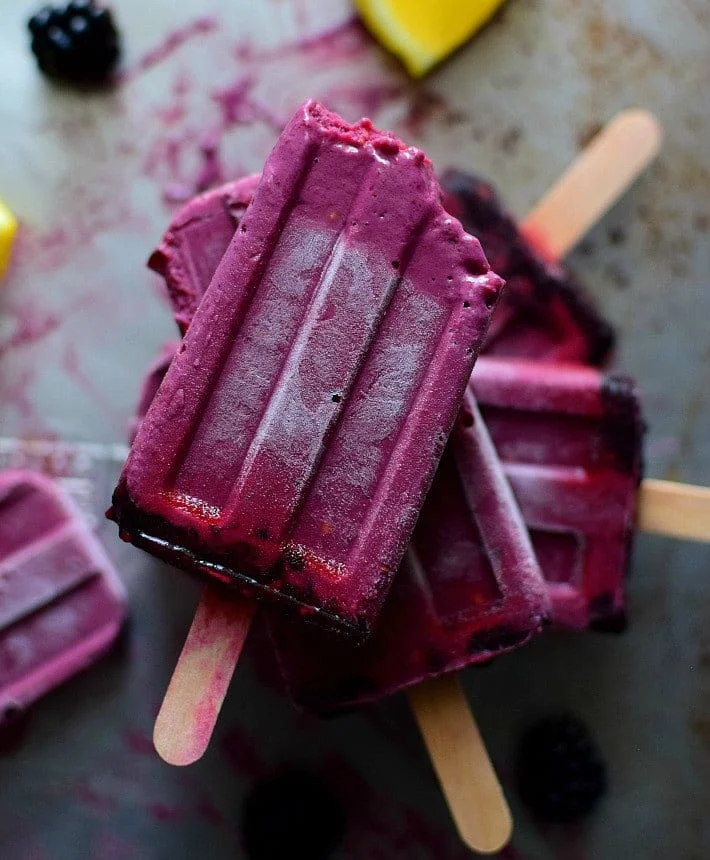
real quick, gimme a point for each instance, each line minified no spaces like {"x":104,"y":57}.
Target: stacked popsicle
{"x":279,"y":455}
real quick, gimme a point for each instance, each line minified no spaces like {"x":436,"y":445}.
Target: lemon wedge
{"x":423,"y":33}
{"x":8,"y":228}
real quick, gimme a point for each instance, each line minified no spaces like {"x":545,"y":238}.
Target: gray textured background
{"x":80,"y":317}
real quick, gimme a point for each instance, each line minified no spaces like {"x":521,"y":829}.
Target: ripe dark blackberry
{"x":292,"y":813}
{"x":561,"y":774}
{"x":78,"y":43}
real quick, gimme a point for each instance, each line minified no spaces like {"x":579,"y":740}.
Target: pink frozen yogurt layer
{"x":61,"y":601}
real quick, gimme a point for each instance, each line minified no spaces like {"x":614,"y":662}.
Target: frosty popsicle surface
{"x":290,"y":447}
{"x":468,"y":590}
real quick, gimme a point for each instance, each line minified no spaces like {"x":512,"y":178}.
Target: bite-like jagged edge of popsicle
{"x":475,"y":288}
{"x":67,"y":663}
{"x":477,"y":205}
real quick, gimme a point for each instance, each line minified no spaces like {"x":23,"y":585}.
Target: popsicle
{"x":543,"y":312}
{"x":291,"y":443}
{"x":289,"y":448}
{"x":570,"y":440}
{"x":61,"y":602}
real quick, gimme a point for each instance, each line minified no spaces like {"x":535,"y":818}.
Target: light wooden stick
{"x":199,"y":683}
{"x":594,"y":181}
{"x":676,"y":510}
{"x":458,"y":754}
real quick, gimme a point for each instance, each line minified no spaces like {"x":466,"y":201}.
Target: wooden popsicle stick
{"x":594,"y":181}
{"x":463,"y":767}
{"x":192,"y":702}
{"x":676,"y":510}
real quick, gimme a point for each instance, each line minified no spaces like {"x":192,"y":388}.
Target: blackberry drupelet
{"x":561,"y":774}
{"x":77,"y":44}
{"x":292,"y":813}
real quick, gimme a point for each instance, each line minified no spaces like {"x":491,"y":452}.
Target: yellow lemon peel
{"x":422,"y":33}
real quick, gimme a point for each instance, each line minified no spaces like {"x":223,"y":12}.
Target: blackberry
{"x":561,"y":774}
{"x":77,"y":44}
{"x":292,"y":813}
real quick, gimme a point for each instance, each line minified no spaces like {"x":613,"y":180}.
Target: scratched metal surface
{"x":80,"y":318}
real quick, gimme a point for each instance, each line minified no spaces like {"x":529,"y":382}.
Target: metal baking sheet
{"x":94,"y":179}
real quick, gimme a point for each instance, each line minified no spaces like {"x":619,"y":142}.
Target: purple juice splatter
{"x":240,"y":107}
{"x":32,"y":324}
{"x":170,"y":44}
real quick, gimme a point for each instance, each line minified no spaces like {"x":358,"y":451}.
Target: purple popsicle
{"x":290,"y":447}
{"x":61,"y":601}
